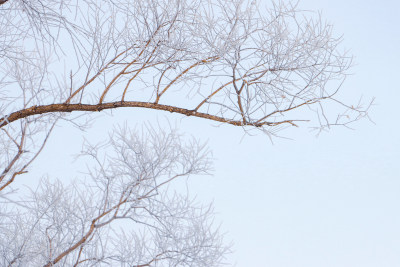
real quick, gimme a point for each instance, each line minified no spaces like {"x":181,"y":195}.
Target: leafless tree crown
{"x":244,"y":63}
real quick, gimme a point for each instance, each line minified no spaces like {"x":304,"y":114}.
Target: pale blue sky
{"x":307,"y":202}
{"x":332,"y":200}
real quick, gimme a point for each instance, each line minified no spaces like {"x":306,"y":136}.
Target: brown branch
{"x":123,"y":71}
{"x":131,"y":79}
{"x":87,"y":236}
{"x":11,"y":164}
{"x":216,"y":91}
{"x":96,"y":75}
{"x":239,"y":99}
{"x":80,"y":242}
{"x":82,"y":261}
{"x":20,"y":152}
{"x":20,"y":147}
{"x":131,"y":63}
{"x":204,"y":61}
{"x":64,"y":107}
{"x":12,"y":179}
{"x":155,"y":259}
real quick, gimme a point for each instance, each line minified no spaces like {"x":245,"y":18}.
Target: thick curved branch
{"x":63,"y":108}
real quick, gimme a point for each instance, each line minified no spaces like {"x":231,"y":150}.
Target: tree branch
{"x":36,"y":110}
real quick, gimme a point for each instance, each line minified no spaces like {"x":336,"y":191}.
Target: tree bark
{"x":37,"y":110}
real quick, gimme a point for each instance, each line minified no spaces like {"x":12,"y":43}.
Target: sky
{"x":307,"y":201}
{"x":332,"y":200}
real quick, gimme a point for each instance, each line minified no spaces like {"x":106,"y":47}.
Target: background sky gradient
{"x":327,"y":201}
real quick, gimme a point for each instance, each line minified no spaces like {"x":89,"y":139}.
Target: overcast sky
{"x":306,"y":202}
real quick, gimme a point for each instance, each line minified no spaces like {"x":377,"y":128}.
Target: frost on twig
{"x":233,"y":62}
{"x":121,"y":212}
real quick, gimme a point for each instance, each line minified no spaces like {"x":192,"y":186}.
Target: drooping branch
{"x":65,"y":108}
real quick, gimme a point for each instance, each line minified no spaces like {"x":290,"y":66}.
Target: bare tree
{"x":236,"y":62}
{"x":90,"y":222}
